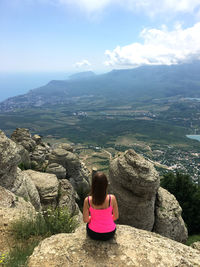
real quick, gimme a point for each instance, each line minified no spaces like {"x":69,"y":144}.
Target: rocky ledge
{"x":130,"y":247}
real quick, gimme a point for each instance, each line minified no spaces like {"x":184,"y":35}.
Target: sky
{"x":97,"y":35}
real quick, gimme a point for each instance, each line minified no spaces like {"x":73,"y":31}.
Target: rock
{"x":9,"y":160}
{"x":24,"y":186}
{"x":39,"y":157}
{"x":68,"y":196}
{"x":77,"y":173}
{"x":135,"y":182}
{"x":12,"y":208}
{"x":168,"y":220}
{"x":56,"y":169}
{"x":196,"y":245}
{"x":130,"y":247}
{"x":23,"y":137}
{"x":66,"y":146}
{"x":37,"y":139}
{"x":47,"y":186}
{"x":25,"y":158}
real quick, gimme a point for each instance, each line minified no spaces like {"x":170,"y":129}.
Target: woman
{"x":100,"y":209}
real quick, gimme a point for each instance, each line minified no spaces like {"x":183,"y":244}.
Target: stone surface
{"x":12,"y":208}
{"x":130,"y":247}
{"x":168,"y":220}
{"x":196,"y":245}
{"x":24,"y":186}
{"x":77,"y":173}
{"x":25,"y":158}
{"x":57,"y":169}
{"x":9,"y":160}
{"x":66,"y":146}
{"x":135,"y":182}
{"x":46,"y":184}
{"x":23,"y":137}
{"x":68,"y":197}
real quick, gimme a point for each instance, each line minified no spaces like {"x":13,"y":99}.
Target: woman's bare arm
{"x":86,"y":216}
{"x":115,"y":208}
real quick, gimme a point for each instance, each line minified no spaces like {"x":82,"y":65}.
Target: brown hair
{"x":99,"y":188}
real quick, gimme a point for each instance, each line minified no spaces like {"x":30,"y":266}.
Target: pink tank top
{"x":101,"y":219}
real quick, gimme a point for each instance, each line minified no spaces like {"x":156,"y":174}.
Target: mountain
{"x":124,"y":86}
{"x":82,"y":75}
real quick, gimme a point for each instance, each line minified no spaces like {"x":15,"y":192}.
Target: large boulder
{"x":25,"y":161}
{"x":135,"y":182}
{"x":12,"y":208}
{"x":67,"y":197}
{"x":24,"y":186}
{"x":57,"y":169}
{"x":23,"y":137}
{"x":65,"y":146}
{"x":77,"y":173}
{"x":9,"y":160}
{"x":130,"y":247}
{"x":168,"y":220}
{"x":47,"y":186}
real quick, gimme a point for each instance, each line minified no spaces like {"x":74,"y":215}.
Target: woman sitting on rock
{"x":100,"y":209}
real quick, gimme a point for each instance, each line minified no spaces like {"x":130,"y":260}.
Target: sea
{"x":17,"y":83}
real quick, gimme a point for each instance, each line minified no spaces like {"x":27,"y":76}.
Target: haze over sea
{"x":16,"y":83}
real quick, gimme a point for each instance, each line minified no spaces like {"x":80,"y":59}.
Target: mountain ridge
{"x":147,"y":82}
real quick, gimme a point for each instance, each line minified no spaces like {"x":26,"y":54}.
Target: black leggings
{"x":100,"y":236}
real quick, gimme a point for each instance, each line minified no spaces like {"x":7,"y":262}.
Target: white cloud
{"x":160,"y":47}
{"x":151,"y":7}
{"x":83,"y":63}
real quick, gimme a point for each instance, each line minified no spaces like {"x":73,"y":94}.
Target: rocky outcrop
{"x":135,"y":182}
{"x":57,"y":169}
{"x":24,"y":186}
{"x":130,"y":247}
{"x":65,"y":146}
{"x":23,"y":137}
{"x":67,"y":197}
{"x":11,"y":176}
{"x":76,"y":171}
{"x":9,"y":160}
{"x":12,"y":207}
{"x":168,"y":220}
{"x":25,"y":157}
{"x":196,"y":245}
{"x":46,"y":184}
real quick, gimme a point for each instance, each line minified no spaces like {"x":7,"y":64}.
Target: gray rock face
{"x":25,"y":158}
{"x":130,"y":247}
{"x":68,"y":196}
{"x":66,"y":146}
{"x":168,"y":220}
{"x":77,"y":173}
{"x":9,"y":160}
{"x":12,"y":208}
{"x":57,"y":169}
{"x":135,"y":182}
{"x":46,"y":184}
{"x":23,"y":186}
{"x":23,"y":137}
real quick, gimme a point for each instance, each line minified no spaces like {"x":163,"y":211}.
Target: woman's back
{"x":101,"y":216}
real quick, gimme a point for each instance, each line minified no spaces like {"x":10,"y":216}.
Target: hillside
{"x":124,"y":86}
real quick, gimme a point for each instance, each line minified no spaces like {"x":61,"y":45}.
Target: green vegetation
{"x":28,"y":232}
{"x":20,"y":253}
{"x":188,"y":195}
{"x":192,"y":239}
{"x":50,"y":222}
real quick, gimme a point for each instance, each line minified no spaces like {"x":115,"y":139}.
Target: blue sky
{"x":98,"y":35}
